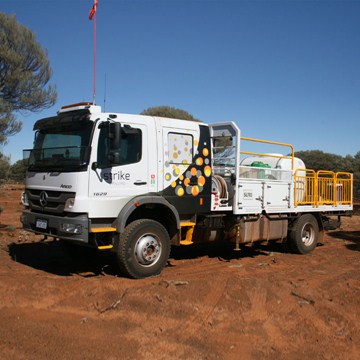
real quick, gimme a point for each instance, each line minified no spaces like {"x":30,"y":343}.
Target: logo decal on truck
{"x":43,"y":198}
{"x":63,"y":186}
{"x":117,"y":176}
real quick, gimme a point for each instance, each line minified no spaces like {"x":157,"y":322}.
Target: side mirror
{"x":114,"y":134}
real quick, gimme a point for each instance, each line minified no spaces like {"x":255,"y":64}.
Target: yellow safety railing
{"x":344,"y":185}
{"x":272,"y":155}
{"x":322,"y":187}
{"x":304,"y":187}
{"x":325,"y":187}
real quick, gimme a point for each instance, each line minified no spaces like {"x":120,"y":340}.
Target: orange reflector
{"x":136,"y":203}
{"x":201,"y":201}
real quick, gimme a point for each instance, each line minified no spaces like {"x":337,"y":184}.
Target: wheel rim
{"x":307,"y":234}
{"x":148,"y":249}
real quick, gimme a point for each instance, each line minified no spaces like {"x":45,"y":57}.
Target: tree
{"x":18,"y":171}
{"x":169,"y":112}
{"x":356,"y":170}
{"x":319,"y":160}
{"x":24,"y":73}
{"x":4,"y":168}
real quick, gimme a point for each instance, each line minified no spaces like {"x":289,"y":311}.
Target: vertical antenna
{"x":92,"y":15}
{"x":94,"y":98}
{"x":105,"y":94}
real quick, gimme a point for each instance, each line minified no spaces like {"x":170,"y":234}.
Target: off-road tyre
{"x":143,"y":249}
{"x":304,"y":234}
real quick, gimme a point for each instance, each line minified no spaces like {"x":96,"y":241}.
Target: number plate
{"x":41,"y":224}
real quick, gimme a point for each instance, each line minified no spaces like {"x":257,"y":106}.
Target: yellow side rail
{"x":270,"y":143}
{"x":325,"y":188}
{"x":344,"y":185}
{"x":305,"y":187}
{"x":322,"y":187}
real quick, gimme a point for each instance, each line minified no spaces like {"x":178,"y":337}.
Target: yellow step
{"x":103,"y":229}
{"x":189,"y":232}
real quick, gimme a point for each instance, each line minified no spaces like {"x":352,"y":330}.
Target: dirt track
{"x":208,"y":303}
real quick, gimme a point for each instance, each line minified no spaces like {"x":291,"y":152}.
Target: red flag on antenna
{"x":93,"y":10}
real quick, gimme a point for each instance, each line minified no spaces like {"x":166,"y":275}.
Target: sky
{"x":286,"y":70}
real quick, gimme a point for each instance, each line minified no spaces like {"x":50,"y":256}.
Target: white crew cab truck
{"x":138,"y":185}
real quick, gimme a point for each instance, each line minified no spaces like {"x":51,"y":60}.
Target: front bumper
{"x":54,"y":226}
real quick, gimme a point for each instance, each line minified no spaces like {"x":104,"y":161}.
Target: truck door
{"x":186,"y":180}
{"x":112,"y":186}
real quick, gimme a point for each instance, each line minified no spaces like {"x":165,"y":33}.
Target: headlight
{"x":24,"y":199}
{"x":71,"y":228}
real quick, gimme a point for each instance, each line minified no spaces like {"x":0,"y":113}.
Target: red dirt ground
{"x":208,"y":303}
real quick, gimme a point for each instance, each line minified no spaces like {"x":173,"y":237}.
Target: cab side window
{"x":130,"y":150}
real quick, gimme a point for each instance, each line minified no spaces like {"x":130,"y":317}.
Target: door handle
{"x":140,"y":183}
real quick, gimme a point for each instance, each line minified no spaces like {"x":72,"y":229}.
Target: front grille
{"x":54,"y":204}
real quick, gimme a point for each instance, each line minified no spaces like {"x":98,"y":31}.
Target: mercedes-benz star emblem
{"x":43,"y":198}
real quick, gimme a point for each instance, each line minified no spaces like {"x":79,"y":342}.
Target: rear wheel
{"x":143,"y":249}
{"x":303,"y":236}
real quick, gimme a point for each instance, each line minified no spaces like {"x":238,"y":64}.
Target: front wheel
{"x":143,"y":249}
{"x":303,"y":236}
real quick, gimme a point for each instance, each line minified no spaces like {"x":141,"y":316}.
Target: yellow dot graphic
{"x":193,"y":171}
{"x":180,"y":191}
{"x":173,"y":184}
{"x":201,"y":181}
{"x":205,"y":152}
{"x":195,"y":190}
{"x":207,"y":171}
{"x":199,"y":161}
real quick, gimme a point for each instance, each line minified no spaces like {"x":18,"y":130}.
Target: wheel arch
{"x":150,"y":207}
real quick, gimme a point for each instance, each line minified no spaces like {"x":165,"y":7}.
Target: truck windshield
{"x":61,"y":148}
